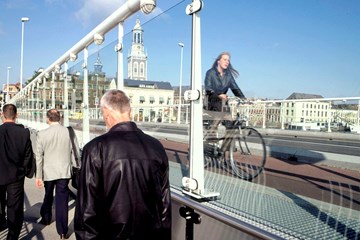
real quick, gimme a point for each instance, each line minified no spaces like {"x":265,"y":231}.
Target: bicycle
{"x":243,"y":146}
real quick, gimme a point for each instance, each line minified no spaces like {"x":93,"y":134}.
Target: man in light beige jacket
{"x":53,"y":170}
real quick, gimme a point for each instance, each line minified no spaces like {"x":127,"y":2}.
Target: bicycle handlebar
{"x":241,"y":101}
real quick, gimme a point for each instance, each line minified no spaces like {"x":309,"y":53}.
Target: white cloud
{"x":18,"y":4}
{"x":94,"y":11}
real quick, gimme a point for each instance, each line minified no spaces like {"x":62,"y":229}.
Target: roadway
{"x":302,"y":146}
{"x":340,"y":146}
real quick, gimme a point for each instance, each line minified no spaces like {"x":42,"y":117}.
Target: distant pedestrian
{"x":53,"y":170}
{"x":15,"y":159}
{"x":124,"y":190}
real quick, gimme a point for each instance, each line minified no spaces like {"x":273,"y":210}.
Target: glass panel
{"x":287,"y":158}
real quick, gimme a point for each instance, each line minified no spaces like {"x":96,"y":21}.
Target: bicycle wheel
{"x":247,"y":153}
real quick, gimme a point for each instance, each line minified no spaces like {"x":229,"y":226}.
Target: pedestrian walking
{"x":124,"y":190}
{"x":53,"y":171}
{"x":16,"y":156}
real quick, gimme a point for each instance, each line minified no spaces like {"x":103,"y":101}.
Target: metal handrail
{"x":237,"y":223}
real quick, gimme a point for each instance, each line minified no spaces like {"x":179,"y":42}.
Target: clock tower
{"x":137,"y":59}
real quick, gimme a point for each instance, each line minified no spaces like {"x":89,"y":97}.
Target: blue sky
{"x":278,"y":46}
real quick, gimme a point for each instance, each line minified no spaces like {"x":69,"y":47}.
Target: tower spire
{"x":137,"y":59}
{"x":98,"y":65}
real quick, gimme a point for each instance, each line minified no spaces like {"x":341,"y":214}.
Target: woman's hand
{"x":223,"y":96}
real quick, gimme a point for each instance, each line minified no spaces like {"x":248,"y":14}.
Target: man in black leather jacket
{"x":124,"y":190}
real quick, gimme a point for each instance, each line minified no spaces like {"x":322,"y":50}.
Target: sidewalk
{"x":33,"y":230}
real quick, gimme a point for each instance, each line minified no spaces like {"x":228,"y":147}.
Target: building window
{"x":142,"y":99}
{"x":142,"y":69}
{"x":152,"y":100}
{"x":136,"y":65}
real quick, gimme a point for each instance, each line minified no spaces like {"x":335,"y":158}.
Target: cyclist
{"x":219,"y":78}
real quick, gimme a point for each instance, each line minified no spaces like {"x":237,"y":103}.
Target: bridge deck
{"x":285,"y":213}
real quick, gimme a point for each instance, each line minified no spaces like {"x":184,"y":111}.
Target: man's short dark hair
{"x":9,"y":111}
{"x":53,"y":115}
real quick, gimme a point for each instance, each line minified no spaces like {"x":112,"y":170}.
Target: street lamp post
{"x":23,"y":20}
{"x":96,"y":97}
{"x":7,"y":84}
{"x":181,"y":45}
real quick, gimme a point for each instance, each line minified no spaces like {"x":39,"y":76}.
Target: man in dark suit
{"x":15,"y":159}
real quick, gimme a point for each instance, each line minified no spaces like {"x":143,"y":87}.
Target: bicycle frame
{"x":245,"y":161}
{"x":234,"y":130}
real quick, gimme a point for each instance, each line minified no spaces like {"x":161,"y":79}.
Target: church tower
{"x":98,"y":65}
{"x":137,"y":59}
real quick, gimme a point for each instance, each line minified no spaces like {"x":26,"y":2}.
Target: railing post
{"x":85,"y":104}
{"x":32,"y":104}
{"x":66,"y":96}
{"x":329,"y":118}
{"x":37,"y":99}
{"x":53,"y":89}
{"x":118,"y":49}
{"x":191,"y":218}
{"x":264,"y":116}
{"x":195,"y":96}
{"x":44,"y":100}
